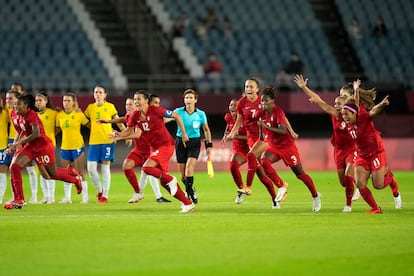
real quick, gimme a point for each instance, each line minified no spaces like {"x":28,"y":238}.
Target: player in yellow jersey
{"x":101,"y":148}
{"x":4,"y":158}
{"x":11,"y":99}
{"x":47,"y":115}
{"x":72,"y":151}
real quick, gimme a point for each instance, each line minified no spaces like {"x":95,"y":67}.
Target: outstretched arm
{"x":301,"y":82}
{"x":379,"y":107}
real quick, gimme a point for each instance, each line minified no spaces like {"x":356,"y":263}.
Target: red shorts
{"x":289,"y":155}
{"x":373,"y":163}
{"x":241,"y":148}
{"x":162,"y":156}
{"x":43,"y":154}
{"x":343,"y":157}
{"x":138,"y":157}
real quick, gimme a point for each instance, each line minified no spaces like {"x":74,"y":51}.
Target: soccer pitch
{"x":218,"y":238}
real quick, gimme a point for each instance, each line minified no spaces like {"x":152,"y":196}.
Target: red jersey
{"x":274,"y":119}
{"x":250,"y":113}
{"x":237,"y":144}
{"x":340,"y":137}
{"x":152,"y":126}
{"x":140,"y":144}
{"x":23,"y":126}
{"x":367,"y":138}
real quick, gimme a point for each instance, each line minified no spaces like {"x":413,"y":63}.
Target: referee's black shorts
{"x":192,"y":149}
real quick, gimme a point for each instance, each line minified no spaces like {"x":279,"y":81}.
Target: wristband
{"x":208,"y":144}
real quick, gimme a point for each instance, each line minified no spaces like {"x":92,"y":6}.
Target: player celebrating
{"x":148,"y":121}
{"x":281,"y":146}
{"x":33,"y":144}
{"x":344,"y":145}
{"x":240,"y":148}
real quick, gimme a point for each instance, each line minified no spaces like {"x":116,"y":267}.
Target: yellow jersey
{"x":12,"y":130}
{"x":48,"y":118}
{"x":4,"y":125}
{"x":99,"y":132}
{"x":70,"y":124}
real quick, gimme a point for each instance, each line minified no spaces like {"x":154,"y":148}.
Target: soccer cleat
{"x":374,"y":211}
{"x":84,"y":201}
{"x":282,"y":192}
{"x":245,"y":190}
{"x":103,"y":200}
{"x":78,"y":184}
{"x":99,"y":196}
{"x":33,"y":200}
{"x":347,"y":209}
{"x":66,"y":201}
{"x":50,"y":201}
{"x":15,"y":204}
{"x":187,"y":208}
{"x":316,"y":206}
{"x":136,"y":197}
{"x":356,"y":195}
{"x":162,"y":199}
{"x":275,"y":204}
{"x":193,"y":196}
{"x":44,"y":200}
{"x":398,"y":202}
{"x":173,"y":186}
{"x":239,"y":198}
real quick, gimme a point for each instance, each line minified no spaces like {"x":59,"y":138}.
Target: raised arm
{"x":314,"y":98}
{"x":379,"y":107}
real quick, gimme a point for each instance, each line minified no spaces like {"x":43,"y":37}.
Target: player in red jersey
{"x":148,"y":122}
{"x":371,"y":159}
{"x":248,"y":109}
{"x":240,"y":148}
{"x":33,"y":144}
{"x":281,"y":145}
{"x":344,"y":145}
{"x":366,"y":103}
{"x":135,"y":158}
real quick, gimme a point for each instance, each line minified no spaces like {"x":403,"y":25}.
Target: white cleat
{"x":187,"y":208}
{"x":239,"y":198}
{"x":44,"y":200}
{"x":398,"y":202}
{"x":136,"y":197}
{"x":84,"y":201}
{"x":50,"y":201}
{"x":173,"y":186}
{"x":275,"y":204}
{"x":347,"y":209}
{"x":316,"y":206}
{"x":33,"y":200}
{"x":356,"y":195}
{"x":282,"y":193}
{"x":66,"y":201}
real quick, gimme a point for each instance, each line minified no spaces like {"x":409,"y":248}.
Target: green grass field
{"x":218,"y":238}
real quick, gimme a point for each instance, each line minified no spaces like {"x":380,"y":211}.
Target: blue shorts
{"x":71,"y":155}
{"x":5,"y":159}
{"x":103,"y":152}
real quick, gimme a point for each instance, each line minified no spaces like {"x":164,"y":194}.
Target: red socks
{"x":269,"y":186}
{"x":251,"y":168}
{"x":390,"y":180}
{"x":16,"y":181}
{"x":132,"y":179}
{"x":309,"y":183}
{"x":367,"y":196}
{"x":271,"y":172}
{"x":349,"y":189}
{"x":235,"y":172}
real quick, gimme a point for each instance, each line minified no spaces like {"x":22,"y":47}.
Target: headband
{"x":350,"y":108}
{"x":41,"y":95}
